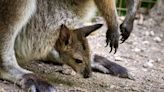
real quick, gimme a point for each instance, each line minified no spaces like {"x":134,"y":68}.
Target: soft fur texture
{"x":29,"y":30}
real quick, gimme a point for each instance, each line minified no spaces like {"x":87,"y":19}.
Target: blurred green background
{"x":121,"y":5}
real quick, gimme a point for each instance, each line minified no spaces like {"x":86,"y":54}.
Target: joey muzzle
{"x":87,"y":72}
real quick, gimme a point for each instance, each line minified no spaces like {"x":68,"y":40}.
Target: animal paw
{"x":33,"y":83}
{"x":103,"y":65}
{"x":126,"y":30}
{"x":112,"y":37}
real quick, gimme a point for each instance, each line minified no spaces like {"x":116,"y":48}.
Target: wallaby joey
{"x":71,"y":45}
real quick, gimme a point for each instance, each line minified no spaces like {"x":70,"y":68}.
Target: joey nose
{"x":87,"y":73}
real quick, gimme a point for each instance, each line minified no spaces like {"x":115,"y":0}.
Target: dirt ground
{"x":142,"y":54}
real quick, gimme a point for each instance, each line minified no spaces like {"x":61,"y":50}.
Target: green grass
{"x":121,"y":6}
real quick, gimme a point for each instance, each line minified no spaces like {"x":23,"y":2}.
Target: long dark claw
{"x":106,"y":44}
{"x":111,"y":46}
{"x":115,"y":51}
{"x":111,"y":49}
{"x":122,"y":41}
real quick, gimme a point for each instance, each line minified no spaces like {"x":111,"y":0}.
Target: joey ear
{"x":89,"y":29}
{"x":64,"y":34}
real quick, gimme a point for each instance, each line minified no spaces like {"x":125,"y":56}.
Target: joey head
{"x":73,"y":48}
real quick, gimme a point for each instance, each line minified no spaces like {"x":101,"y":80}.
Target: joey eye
{"x":78,"y":61}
